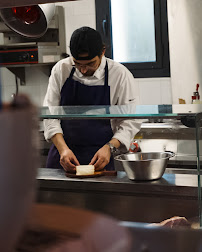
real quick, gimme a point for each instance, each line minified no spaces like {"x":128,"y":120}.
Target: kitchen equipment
{"x":50,"y":48}
{"x":196,"y":97}
{"x":144,"y":165}
{"x":30,"y":55}
{"x":29,"y":21}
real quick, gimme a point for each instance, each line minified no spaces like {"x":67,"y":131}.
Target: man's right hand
{"x":68,"y":160}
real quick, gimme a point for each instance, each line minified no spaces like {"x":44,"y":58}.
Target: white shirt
{"x":122,"y":92}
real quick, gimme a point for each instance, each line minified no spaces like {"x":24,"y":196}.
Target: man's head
{"x":87,"y":49}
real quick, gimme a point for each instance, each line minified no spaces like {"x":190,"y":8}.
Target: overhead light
{"x":29,"y":21}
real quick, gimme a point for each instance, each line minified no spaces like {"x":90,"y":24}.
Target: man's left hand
{"x":101,"y":158}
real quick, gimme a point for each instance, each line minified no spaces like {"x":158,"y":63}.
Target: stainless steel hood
{"x":29,"y":21}
{"x":13,"y":3}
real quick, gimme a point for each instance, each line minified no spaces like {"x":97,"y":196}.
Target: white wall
{"x":77,"y":14}
{"x":185,"y":31}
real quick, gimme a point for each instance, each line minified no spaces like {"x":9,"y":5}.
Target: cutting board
{"x":96,"y":174}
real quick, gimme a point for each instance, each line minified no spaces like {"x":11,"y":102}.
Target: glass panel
{"x":124,"y":111}
{"x":198,"y":148}
{"x":133,"y":31}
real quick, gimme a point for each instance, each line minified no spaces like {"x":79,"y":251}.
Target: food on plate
{"x":85,"y":170}
{"x":174,"y":222}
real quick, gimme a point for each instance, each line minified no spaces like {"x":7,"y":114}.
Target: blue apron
{"x":83,"y":137}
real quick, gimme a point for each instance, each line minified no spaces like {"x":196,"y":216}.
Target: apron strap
{"x":106,"y":74}
{"x":72,"y":73}
{"x":106,"y":84}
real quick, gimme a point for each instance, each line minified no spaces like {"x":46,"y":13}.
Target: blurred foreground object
{"x":53,"y":228}
{"x":18,"y":163}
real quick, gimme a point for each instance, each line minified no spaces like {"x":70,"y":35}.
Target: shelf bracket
{"x":19,"y":72}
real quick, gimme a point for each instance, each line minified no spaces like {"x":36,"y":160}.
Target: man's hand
{"x":68,"y":160}
{"x":101,"y":158}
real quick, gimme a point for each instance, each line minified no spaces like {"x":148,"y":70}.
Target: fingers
{"x":93,"y":159}
{"x":101,"y":159}
{"x":97,"y":162}
{"x":69,"y":162}
{"x":101,"y":163}
{"x":75,"y":161}
{"x":68,"y":166}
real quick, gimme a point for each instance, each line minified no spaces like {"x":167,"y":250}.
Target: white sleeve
{"x":125,"y":130}
{"x":52,"y":98}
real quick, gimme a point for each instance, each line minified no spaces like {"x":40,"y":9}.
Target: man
{"x":88,"y":78}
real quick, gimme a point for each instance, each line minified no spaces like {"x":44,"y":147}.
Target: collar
{"x":98,"y":74}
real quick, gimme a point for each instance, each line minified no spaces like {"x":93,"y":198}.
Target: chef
{"x":88,"y":78}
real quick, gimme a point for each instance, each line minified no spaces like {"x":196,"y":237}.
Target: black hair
{"x":86,"y":40}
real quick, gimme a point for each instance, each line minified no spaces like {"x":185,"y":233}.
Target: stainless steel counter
{"x":174,"y":194}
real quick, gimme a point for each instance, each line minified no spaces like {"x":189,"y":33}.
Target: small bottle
{"x":196,"y":97}
{"x":134,"y":147}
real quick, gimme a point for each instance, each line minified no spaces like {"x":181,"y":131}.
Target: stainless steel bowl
{"x":144,"y":165}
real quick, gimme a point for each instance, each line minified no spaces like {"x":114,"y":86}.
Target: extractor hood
{"x":13,"y":3}
{"x":28,"y":21}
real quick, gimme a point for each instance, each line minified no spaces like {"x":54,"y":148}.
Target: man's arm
{"x":67,"y":158}
{"x":116,"y":143}
{"x":103,"y":155}
{"x":52,"y":127}
{"x":125,"y":129}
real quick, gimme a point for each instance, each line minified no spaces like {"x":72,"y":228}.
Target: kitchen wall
{"x":185,"y":31}
{"x":185,"y":52}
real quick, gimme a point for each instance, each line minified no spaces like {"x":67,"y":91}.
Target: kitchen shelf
{"x":19,"y":70}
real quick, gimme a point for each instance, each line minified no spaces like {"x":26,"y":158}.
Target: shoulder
{"x":62,"y":69}
{"x":64,"y":64}
{"x":119,"y":71}
{"x":118,"y":68}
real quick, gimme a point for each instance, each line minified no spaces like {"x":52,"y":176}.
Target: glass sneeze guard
{"x":115,"y":111}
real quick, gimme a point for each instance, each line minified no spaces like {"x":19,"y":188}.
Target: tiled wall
{"x":185,"y":35}
{"x":77,"y":14}
{"x":154,"y":91}
{"x":36,"y":84}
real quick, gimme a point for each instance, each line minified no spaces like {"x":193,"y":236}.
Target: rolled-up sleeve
{"x":125,"y":130}
{"x":52,"y":98}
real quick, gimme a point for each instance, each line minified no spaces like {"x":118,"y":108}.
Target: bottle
{"x":196,"y":97}
{"x":134,"y":147}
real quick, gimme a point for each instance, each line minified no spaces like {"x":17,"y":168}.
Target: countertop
{"x":173,"y":183}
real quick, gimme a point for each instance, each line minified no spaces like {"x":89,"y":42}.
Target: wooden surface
{"x":73,"y":175}
{"x":96,"y":174}
{"x":12,"y":3}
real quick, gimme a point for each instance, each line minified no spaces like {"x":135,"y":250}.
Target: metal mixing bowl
{"x":144,"y":165}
